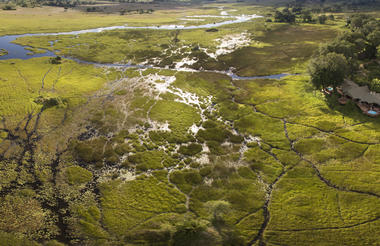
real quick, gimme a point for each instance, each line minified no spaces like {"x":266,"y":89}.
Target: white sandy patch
{"x":208,"y":181}
{"x":126,"y":175}
{"x":194,"y":129}
{"x":210,"y":54}
{"x":156,"y":60}
{"x":252,"y":139}
{"x":109,"y":173}
{"x":180,"y":51}
{"x":226,"y":144}
{"x":185,"y":61}
{"x":243,"y":149}
{"x":247,"y":140}
{"x":159,"y":84}
{"x":229,"y":43}
{"x":205,"y":148}
{"x":203,"y":159}
{"x":158,"y":126}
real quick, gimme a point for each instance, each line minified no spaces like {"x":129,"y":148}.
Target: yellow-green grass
{"x":126,"y":205}
{"x":275,"y":48}
{"x":56,"y":19}
{"x":141,"y":45}
{"x":179,"y":116}
{"x":3,"y":52}
{"x":291,"y":119}
{"x":290,"y":47}
{"x":28,"y":85}
{"x":300,"y":196}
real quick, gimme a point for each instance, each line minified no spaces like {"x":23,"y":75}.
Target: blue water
{"x":372,"y":112}
{"x":16,"y":51}
{"x":273,"y":76}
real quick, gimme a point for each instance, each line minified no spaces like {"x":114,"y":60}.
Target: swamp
{"x":189,"y":123}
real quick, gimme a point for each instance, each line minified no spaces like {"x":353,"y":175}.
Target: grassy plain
{"x":56,"y":19}
{"x":161,"y":156}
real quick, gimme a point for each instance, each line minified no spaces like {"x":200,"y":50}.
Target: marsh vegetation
{"x":174,"y":151}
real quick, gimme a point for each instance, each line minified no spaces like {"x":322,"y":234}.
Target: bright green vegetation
{"x":78,"y":175}
{"x":34,"y":85}
{"x":179,"y":116}
{"x":54,"y":19}
{"x":96,"y":155}
{"x":264,"y":55}
{"x":3,"y":52}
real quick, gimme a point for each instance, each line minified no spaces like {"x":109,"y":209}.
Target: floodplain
{"x":143,"y":137}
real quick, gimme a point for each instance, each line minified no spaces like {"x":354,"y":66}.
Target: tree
{"x":306,"y":16}
{"x":340,"y":47}
{"x":375,"y":85}
{"x":374,"y":38}
{"x":285,"y":16}
{"x":322,"y":19}
{"x":328,"y":70}
{"x":217,"y":209}
{"x":194,"y":232}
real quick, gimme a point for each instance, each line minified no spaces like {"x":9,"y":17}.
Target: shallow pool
{"x":372,"y":112}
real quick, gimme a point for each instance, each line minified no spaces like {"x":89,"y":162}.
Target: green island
{"x":219,"y":123}
{"x":3,"y":52}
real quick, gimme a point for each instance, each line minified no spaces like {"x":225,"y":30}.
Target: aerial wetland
{"x":189,"y":123}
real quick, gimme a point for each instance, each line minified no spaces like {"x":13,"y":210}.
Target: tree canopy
{"x":328,"y":70}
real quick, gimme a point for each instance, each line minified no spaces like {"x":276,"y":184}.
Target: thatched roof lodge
{"x":368,"y":101}
{"x":360,"y":93}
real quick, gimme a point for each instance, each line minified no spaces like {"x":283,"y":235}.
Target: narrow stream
{"x":16,"y":51}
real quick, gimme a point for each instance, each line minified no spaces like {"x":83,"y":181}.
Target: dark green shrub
{"x":89,"y":151}
{"x":122,"y":149}
{"x":205,"y":171}
{"x":9,"y":7}
{"x":215,"y":148}
{"x":213,"y":134}
{"x":209,"y":124}
{"x":56,"y":60}
{"x":236,"y":139}
{"x":191,"y":149}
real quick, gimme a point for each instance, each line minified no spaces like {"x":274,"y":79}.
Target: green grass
{"x":179,"y":116}
{"x":55,"y":19}
{"x":290,"y":47}
{"x":23,"y":79}
{"x":150,"y":186}
{"x":3,"y":52}
{"x":77,"y":175}
{"x":300,"y":196}
{"x":126,"y":205}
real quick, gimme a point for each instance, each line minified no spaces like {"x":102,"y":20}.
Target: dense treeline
{"x":300,"y":14}
{"x":34,"y":3}
{"x":59,"y":3}
{"x":317,"y":6}
{"x":341,"y":58}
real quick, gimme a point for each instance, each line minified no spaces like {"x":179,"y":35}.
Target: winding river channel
{"x":16,"y":51}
